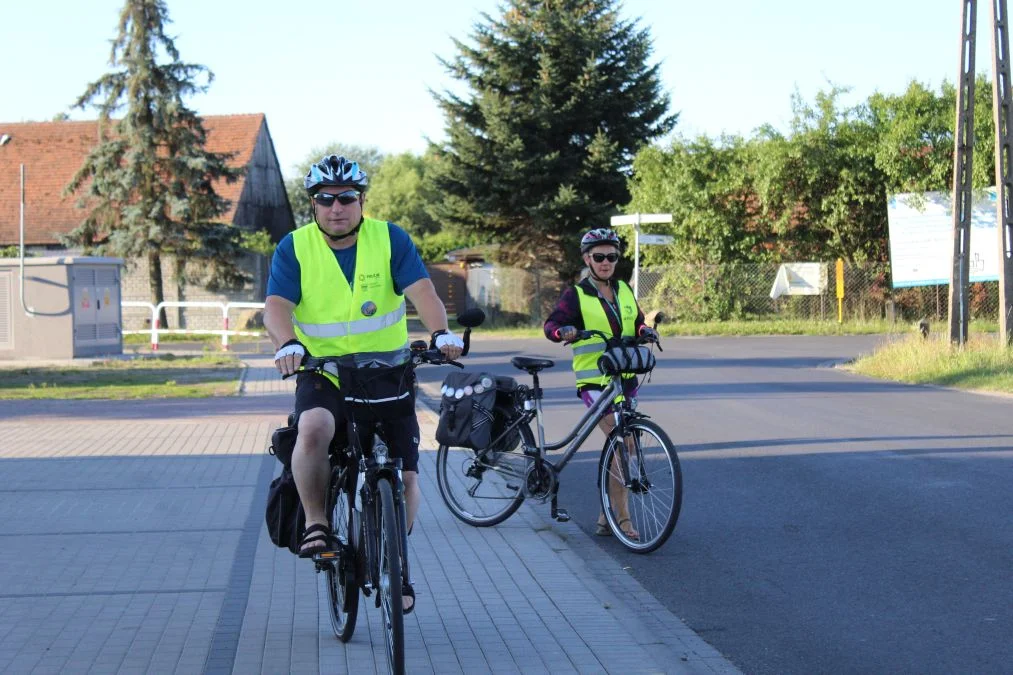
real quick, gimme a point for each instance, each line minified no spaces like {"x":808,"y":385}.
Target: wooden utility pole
{"x":963,"y":149}
{"x":1003,"y":160}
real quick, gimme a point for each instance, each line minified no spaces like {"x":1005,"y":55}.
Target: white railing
{"x":225,"y":308}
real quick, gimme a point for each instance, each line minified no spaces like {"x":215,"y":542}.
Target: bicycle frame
{"x":573,"y":440}
{"x":372,"y":470}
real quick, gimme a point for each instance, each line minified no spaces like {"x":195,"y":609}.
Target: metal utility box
{"x":69,"y":307}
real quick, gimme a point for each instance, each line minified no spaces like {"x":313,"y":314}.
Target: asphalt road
{"x":831,"y":523}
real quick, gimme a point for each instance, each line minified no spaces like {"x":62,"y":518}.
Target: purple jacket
{"x":567,"y":311}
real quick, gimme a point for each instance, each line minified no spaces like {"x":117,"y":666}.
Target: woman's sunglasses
{"x":326,"y":199}
{"x":602,"y":257}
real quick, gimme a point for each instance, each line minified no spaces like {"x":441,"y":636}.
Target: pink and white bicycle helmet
{"x":597,"y":237}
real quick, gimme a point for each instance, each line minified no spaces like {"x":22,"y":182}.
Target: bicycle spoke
{"x":481,"y":488}
{"x":653,"y":501}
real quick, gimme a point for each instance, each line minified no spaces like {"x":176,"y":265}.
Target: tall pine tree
{"x":561,"y":98}
{"x":150,"y":179}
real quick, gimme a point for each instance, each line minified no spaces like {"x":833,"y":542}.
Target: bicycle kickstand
{"x":559,"y":514}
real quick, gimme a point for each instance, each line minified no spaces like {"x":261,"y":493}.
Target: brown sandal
{"x":631,"y":533}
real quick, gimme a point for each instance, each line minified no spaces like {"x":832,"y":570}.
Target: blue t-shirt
{"x":406,"y":266}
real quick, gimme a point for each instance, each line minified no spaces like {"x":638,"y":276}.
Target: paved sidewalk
{"x":132,"y":540}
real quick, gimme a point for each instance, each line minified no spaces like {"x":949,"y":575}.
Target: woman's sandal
{"x":602,"y":530}
{"x":316,"y":533}
{"x":407,"y":591}
{"x":631,"y":533}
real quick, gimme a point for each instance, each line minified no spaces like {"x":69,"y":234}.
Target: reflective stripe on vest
{"x":586,"y":352}
{"x":341,"y":329}
{"x":333,"y":318}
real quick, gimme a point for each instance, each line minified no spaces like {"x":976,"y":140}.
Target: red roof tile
{"x":52,"y":152}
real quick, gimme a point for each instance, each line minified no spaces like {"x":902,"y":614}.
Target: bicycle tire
{"x":462,"y":472}
{"x":342,"y":587}
{"x":391,"y":608}
{"x":652,"y":515}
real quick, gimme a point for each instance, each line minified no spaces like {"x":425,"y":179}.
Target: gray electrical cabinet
{"x":68,"y":307}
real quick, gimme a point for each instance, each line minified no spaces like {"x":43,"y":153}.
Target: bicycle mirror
{"x":471,"y":318}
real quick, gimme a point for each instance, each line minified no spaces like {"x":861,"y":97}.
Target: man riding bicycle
{"x":337,"y":288}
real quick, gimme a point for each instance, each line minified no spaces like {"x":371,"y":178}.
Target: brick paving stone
{"x":148,"y":502}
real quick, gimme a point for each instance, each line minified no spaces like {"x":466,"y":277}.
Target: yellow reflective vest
{"x":334,"y":319}
{"x":586,"y":352}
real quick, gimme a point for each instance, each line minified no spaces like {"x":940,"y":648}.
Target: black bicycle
{"x":639,"y":477}
{"x":366,"y":510}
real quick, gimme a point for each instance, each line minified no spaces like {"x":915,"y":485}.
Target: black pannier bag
{"x":466,"y":410}
{"x":502,"y":415}
{"x":285,"y":516}
{"x":282,"y":445}
{"x":378,"y":393}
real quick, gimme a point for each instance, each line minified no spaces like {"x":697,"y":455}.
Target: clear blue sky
{"x":359,"y":73}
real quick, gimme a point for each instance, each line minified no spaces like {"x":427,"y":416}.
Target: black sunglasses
{"x":326,"y":199}
{"x":602,"y":257}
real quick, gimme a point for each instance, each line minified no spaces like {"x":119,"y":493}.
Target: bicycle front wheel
{"x":342,"y":589}
{"x":641,"y":511}
{"x":391,"y":608}
{"x":483,"y":487}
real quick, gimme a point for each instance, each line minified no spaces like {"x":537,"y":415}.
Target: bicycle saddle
{"x":531,"y":363}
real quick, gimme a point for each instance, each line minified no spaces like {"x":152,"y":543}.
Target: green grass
{"x":165,"y":376}
{"x":214,"y":341}
{"x":981,"y":364}
{"x":758,"y":327}
{"x":780,"y":327}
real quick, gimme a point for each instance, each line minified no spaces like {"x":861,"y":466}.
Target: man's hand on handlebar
{"x":449,"y":345}
{"x":289,"y":357}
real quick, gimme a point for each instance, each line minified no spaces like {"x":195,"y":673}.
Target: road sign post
{"x":636,"y":220}
{"x":839,"y":279}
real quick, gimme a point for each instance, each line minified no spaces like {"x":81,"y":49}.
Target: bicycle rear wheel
{"x":483,"y":488}
{"x":642,"y":516}
{"x":391,"y":609}
{"x":342,"y":588}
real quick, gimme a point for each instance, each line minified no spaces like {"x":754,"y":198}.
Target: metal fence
{"x":699,"y":292}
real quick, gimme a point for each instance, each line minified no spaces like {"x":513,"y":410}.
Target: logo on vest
{"x":368,"y":308}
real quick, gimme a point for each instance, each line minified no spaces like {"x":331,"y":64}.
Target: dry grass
{"x":983,"y":363}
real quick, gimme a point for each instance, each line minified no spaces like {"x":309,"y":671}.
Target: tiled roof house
{"x":52,"y":152}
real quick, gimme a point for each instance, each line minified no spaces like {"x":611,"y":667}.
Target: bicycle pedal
{"x":326,"y":560}
{"x":561,"y":516}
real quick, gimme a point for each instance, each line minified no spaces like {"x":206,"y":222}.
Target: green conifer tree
{"x":150,"y":180}
{"x":561,"y":97}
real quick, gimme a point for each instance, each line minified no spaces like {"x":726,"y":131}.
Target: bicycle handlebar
{"x":419,"y":352}
{"x":318,"y":364}
{"x":613,"y":341}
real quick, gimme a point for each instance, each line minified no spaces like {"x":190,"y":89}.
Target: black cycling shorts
{"x":313,"y":390}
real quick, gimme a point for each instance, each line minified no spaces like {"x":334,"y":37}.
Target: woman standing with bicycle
{"x":599,"y":302}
